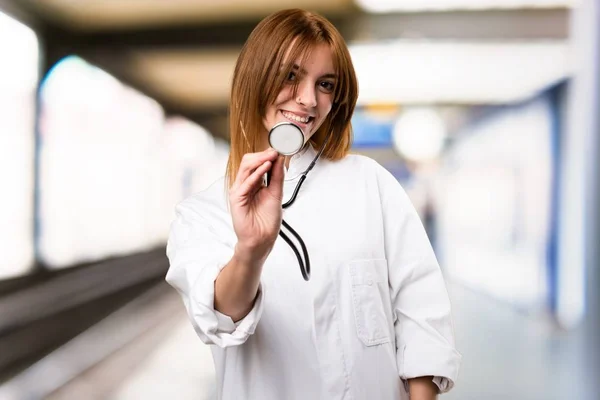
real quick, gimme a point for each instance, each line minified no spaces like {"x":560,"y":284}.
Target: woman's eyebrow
{"x":296,"y":67}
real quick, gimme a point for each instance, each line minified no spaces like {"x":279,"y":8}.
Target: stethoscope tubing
{"x":304,"y":264}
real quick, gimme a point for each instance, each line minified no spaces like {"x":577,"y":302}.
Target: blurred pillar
{"x":578,"y":200}
{"x":579,"y":249}
{"x":593,"y":242}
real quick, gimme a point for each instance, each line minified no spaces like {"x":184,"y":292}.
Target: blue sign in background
{"x":371,"y":131}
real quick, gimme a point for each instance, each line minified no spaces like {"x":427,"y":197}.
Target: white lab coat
{"x":375,"y":312}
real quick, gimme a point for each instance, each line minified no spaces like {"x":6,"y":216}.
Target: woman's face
{"x":314,"y":97}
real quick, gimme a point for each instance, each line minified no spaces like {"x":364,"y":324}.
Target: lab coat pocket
{"x":368,"y":283}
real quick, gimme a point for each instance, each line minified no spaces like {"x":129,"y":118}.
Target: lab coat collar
{"x":300,"y":161}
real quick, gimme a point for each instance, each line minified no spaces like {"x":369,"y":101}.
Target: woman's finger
{"x":251,"y":161}
{"x":254,"y":181}
{"x":277,"y":175}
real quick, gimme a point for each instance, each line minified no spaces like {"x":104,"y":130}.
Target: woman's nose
{"x":306,"y":95}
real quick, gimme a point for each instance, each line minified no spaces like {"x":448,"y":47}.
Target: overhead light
{"x":422,"y":72}
{"x":386,"y":6}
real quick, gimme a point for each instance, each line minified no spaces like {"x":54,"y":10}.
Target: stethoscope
{"x":288,"y":139}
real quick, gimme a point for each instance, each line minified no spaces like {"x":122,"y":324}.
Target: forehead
{"x":318,"y":59}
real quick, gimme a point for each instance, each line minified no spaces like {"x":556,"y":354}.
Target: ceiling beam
{"x":107,"y":16}
{"x":529,"y":24}
{"x":227,"y":34}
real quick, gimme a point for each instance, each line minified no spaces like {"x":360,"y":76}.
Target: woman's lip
{"x":297,"y":122}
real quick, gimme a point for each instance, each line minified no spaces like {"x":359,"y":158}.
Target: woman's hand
{"x":255,"y":209}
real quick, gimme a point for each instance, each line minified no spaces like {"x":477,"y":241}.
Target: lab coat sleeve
{"x":196,"y":256}
{"x":420,"y":304}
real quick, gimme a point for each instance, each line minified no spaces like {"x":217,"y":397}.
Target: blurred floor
{"x":510,"y":355}
{"x":506,"y":355}
{"x":181,"y":367}
{"x":167,"y":359}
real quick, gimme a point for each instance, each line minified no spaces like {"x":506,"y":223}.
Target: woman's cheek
{"x":284,"y":95}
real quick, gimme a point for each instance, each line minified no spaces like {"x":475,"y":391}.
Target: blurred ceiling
{"x":403,"y":72}
{"x":194,"y":79}
{"x":182,"y":52}
{"x":135,"y":14}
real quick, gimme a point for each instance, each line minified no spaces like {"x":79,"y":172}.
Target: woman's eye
{"x":291,"y":76}
{"x":327,"y":86}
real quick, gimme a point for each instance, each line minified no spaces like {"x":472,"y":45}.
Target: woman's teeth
{"x":296,"y":118}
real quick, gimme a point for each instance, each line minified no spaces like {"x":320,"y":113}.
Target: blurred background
{"x":111,"y":112}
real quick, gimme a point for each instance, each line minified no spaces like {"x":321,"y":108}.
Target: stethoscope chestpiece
{"x":287,"y":138}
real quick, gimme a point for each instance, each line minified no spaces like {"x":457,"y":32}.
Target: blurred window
{"x":99,"y":166}
{"x":494,"y":204}
{"x":18,"y":83}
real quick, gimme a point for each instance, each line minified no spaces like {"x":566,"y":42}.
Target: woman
{"x":373,"y":322}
